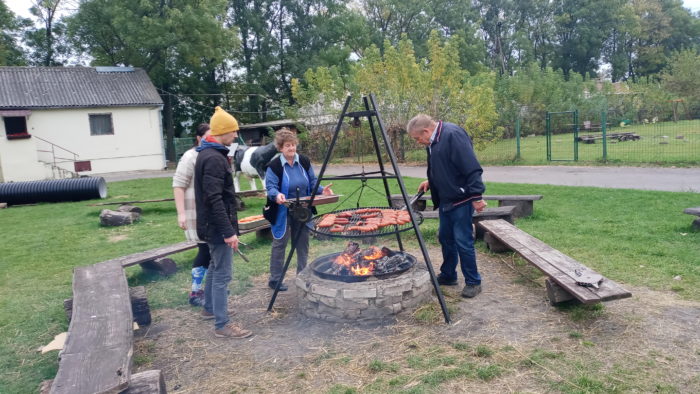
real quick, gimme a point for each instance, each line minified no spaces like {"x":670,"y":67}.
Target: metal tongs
{"x":241,"y":253}
{"x":414,"y":199}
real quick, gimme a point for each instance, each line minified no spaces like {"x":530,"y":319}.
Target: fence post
{"x":548,"y":132}
{"x":517,"y":138}
{"x":576,"y":135}
{"x":604,"y":128}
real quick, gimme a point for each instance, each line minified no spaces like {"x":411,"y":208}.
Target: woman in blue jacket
{"x":287,"y":177}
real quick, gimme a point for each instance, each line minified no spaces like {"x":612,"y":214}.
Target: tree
{"x":11,"y":54}
{"x":281,"y":39}
{"x":682,"y":77}
{"x":47,"y":42}
{"x":180,"y":43}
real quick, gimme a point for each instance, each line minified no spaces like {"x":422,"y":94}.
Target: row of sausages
{"x":371,"y":219}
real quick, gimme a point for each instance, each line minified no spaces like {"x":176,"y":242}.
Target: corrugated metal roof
{"x":66,"y":87}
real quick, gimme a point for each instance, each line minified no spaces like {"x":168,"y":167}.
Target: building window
{"x":16,"y":127}
{"x":101,"y":124}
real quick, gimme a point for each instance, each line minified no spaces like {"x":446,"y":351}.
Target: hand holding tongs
{"x":241,"y":253}
{"x":414,"y":199}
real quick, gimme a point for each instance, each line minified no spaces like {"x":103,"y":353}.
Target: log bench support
{"x":523,"y":203}
{"x":561,"y":269}
{"x":694,"y":211}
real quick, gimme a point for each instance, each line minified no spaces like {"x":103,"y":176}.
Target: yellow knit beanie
{"x":222,"y":122}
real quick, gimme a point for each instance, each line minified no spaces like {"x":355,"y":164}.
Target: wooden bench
{"x":694,"y":211}
{"x":154,"y":259}
{"x":97,"y":353}
{"x":523,"y":203}
{"x":564,"y":273}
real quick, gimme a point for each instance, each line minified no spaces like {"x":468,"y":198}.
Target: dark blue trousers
{"x":457,"y":240}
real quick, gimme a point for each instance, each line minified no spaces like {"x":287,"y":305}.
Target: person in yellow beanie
{"x":217,"y":220}
{"x":222,"y":122}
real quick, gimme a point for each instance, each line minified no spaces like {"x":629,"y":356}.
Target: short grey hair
{"x":419,"y":121}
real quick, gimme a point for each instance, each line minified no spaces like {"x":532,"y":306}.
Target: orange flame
{"x":344,"y":259}
{"x":376,"y":253}
{"x":359,"y":270}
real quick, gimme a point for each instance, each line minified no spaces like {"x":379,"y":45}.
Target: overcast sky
{"x":21,"y":7}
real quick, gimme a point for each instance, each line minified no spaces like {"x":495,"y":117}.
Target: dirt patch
{"x":507,"y":339}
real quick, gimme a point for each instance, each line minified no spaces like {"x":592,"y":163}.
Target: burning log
{"x":373,"y":260}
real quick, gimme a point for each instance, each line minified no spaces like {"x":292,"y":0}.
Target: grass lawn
{"x":640,"y":238}
{"x":658,"y":145}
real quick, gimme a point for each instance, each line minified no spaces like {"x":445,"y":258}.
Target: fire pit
{"x":356,"y":265}
{"x":356,"y":284}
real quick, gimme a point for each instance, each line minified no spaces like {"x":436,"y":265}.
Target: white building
{"x":67,"y":121}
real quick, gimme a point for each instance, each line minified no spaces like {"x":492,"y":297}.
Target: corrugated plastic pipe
{"x":57,"y":190}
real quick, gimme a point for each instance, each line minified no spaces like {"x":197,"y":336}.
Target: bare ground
{"x":507,"y":339}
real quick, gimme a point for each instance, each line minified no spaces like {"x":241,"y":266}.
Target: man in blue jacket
{"x":217,"y":220}
{"x":454,"y":178}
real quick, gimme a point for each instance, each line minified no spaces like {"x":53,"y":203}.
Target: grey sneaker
{"x":471,"y":291}
{"x":206,"y":315}
{"x":232,"y":331}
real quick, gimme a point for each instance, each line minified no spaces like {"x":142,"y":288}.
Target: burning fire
{"x":359,"y":262}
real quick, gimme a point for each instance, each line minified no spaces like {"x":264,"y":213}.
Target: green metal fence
{"x":593,"y":138}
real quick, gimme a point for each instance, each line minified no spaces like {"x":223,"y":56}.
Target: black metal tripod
{"x":372,"y":114}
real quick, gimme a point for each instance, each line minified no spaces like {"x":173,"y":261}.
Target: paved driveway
{"x":643,"y":178}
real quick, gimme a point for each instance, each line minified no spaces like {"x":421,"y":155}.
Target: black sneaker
{"x":471,"y":291}
{"x":273,"y":284}
{"x":445,"y":281}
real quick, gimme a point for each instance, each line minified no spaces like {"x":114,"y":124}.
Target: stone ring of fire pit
{"x":371,"y":300}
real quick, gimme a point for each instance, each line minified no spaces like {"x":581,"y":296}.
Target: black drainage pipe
{"x":58,"y":190}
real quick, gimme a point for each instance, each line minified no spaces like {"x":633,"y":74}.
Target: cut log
{"x":129,"y":208}
{"x":147,"y":382}
{"x":556,"y":294}
{"x":116,"y":218}
{"x":139,"y":305}
{"x":494,"y":245}
{"x":164,"y":266}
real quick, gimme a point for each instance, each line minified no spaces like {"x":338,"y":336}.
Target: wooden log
{"x":523,"y":208}
{"x":556,"y":294}
{"x":140,"y":309}
{"x":265,"y":233}
{"x":147,"y":382}
{"x":129,"y":208}
{"x":116,"y":218}
{"x":139,"y":305}
{"x":164,"y":266}
{"x":494,"y":244}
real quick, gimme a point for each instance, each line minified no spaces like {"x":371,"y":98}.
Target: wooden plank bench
{"x":96,"y":357}
{"x":523,"y":202}
{"x":560,"y":268}
{"x":154,"y":259}
{"x":694,"y":211}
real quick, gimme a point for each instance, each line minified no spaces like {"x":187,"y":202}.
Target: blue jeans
{"x":218,"y":277}
{"x":455,"y":235}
